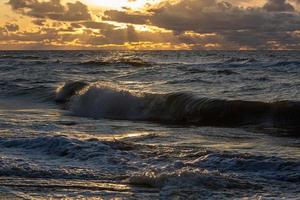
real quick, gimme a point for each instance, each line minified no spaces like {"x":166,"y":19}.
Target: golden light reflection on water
{"x":132,"y":135}
{"x":111,"y":136}
{"x":66,"y":185}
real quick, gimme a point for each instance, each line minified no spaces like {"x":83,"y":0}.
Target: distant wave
{"x":240,"y":60}
{"x":135,"y":62}
{"x":189,"y":80}
{"x":15,"y":88}
{"x":285,"y":63}
{"x":23,"y":57}
{"x":199,"y":70}
{"x":104,"y":101}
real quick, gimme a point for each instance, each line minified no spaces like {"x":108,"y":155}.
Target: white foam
{"x":100,"y":101}
{"x":187,"y":177}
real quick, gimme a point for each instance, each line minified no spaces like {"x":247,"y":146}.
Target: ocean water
{"x":150,"y":124}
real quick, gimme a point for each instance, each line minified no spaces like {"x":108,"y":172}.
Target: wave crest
{"x":134,"y":62}
{"x":69,"y":89}
{"x":104,"y":101}
{"x":101,"y":101}
{"x":23,"y":57}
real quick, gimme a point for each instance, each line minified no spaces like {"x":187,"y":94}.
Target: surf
{"x":98,"y":100}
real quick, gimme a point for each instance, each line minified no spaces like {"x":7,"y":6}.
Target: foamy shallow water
{"x":83,"y":148}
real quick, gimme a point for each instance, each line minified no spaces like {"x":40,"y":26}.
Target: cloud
{"x":76,"y":25}
{"x":52,"y":9}
{"x":134,"y":18}
{"x":253,"y":27}
{"x":12,"y":27}
{"x":196,"y":24}
{"x":53,"y":36}
{"x":296,"y":1}
{"x":39,"y":22}
{"x":205,"y":16}
{"x":278,"y":6}
{"x":97,"y":25}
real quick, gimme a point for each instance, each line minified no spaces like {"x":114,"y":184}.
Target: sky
{"x":150,"y":24}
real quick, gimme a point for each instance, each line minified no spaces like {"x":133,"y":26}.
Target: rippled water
{"x":150,"y":124}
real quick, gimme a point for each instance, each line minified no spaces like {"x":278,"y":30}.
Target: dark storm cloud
{"x":206,"y":16}
{"x":263,"y":40}
{"x":278,"y":6}
{"x":52,"y":9}
{"x":252,"y":27}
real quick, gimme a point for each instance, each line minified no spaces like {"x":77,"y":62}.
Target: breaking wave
{"x":98,"y":100}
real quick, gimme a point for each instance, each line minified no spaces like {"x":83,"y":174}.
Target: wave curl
{"x":98,"y":100}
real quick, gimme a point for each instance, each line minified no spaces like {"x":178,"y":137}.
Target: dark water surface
{"x":150,"y":124}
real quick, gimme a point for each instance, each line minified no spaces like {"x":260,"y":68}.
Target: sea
{"x":150,"y":124}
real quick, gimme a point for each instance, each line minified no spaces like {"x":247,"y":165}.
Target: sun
{"x":117,"y":4}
